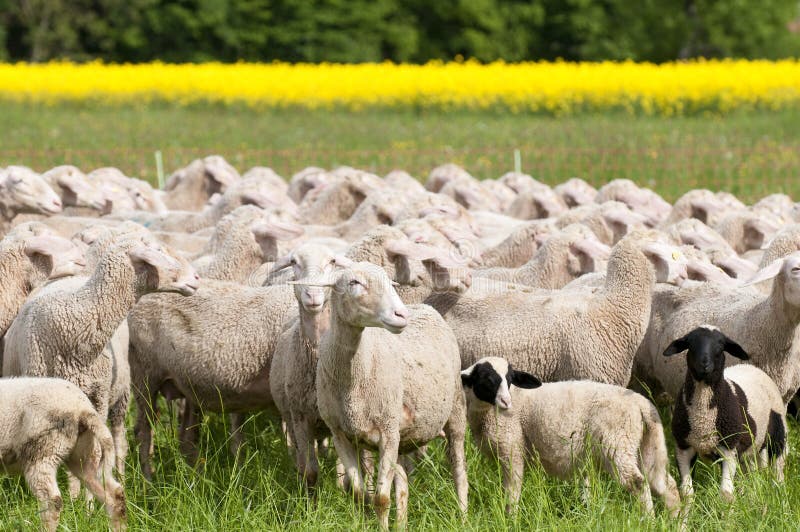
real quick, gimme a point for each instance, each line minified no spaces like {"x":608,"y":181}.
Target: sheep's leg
{"x":368,"y":470}
{"x":286,"y":430}
{"x":779,"y":462}
{"x":455,"y":432}
{"x":237,"y":436}
{"x":342,"y":480}
{"x":307,"y":464}
{"x":189,"y":433}
{"x":145,"y":400}
{"x":116,"y":419}
{"x":103,"y":485}
{"x":387,"y":462}
{"x":41,"y":478}
{"x":513,"y":469}
{"x":401,"y":494}
{"x":684,"y":458}
{"x":323,"y":447}
{"x":729,"y":463}
{"x":631,"y":477}
{"x":349,"y":458}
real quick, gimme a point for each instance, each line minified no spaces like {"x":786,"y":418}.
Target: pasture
{"x":748,"y":154}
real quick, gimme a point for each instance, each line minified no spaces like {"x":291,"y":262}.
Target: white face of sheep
{"x":312,"y":263}
{"x":28,"y":192}
{"x":63,"y":257}
{"x":160,"y":270}
{"x":366,"y":298}
{"x":76,"y":191}
{"x":487,"y":383}
{"x":787,"y":269}
{"x":669,"y":263}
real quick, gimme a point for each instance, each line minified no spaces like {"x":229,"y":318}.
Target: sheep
{"x":779,"y":205}
{"x":191,"y":187}
{"x":294,"y":365}
{"x":748,"y":230}
{"x":512,"y":415}
{"x":123,"y":193}
{"x":765,"y":324}
{"x":518,"y":181}
{"x":335,"y":201}
{"x":388,"y":393}
{"x":609,"y":221}
{"x":468,"y":191}
{"x":403,"y":181}
{"x":63,"y":333}
{"x":563,"y":257}
{"x":536,"y":202}
{"x":23,"y":191}
{"x":279,"y":184}
{"x":641,"y":200}
{"x":45,"y":423}
{"x":562,"y":335}
{"x":576,"y":192}
{"x":701,"y":204}
{"x":242,"y":241}
{"x":442,"y":174}
{"x":520,"y":246}
{"x":305,"y":180}
{"x":503,"y":194}
{"x":724,"y":412}
{"x":214,"y":348}
{"x":30,"y":255}
{"x":75,"y":189}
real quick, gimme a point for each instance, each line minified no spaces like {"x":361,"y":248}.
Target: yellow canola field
{"x":553,"y":88}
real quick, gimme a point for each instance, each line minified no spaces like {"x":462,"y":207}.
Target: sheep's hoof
{"x":727,"y":496}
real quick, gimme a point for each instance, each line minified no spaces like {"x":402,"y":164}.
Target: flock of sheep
{"x":380,"y":314}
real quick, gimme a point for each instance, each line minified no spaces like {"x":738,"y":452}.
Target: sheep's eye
{"x":354,"y":282}
{"x":796,"y":269}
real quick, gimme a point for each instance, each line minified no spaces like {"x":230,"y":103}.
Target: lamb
{"x":609,"y":221}
{"x":468,"y":191}
{"x":701,"y":204}
{"x":23,"y":191}
{"x":564,"y":335}
{"x":45,"y":423}
{"x":191,"y":187}
{"x":765,"y":324}
{"x":294,"y":365}
{"x":336,"y":201}
{"x":641,"y":200}
{"x":727,"y":413}
{"x":536,"y":202}
{"x":512,"y":416}
{"x":63,"y":333}
{"x":388,"y":393}
{"x":563,"y":257}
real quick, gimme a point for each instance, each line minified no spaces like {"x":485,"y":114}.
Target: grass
{"x":748,"y":154}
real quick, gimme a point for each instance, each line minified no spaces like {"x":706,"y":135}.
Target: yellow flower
{"x":557,"y":88}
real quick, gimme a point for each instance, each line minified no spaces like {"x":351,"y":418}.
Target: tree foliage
{"x":397,"y":30}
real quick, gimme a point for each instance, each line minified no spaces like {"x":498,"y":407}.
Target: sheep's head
{"x":706,"y":347}
{"x":363,"y":296}
{"x":487,"y":383}
{"x":56,"y":256}
{"x":23,"y":191}
{"x":787,"y":283}
{"x":158,"y":269}
{"x":576,"y":192}
{"x":309,"y":263}
{"x":76,"y":191}
{"x":537,"y":202}
{"x":218,"y":175}
{"x":269,"y":230}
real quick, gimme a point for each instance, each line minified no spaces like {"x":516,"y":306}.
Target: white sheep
{"x":513,"y":416}
{"x":191,"y":187}
{"x":48,"y":422}
{"x":727,"y":413}
{"x":23,"y":191}
{"x":388,"y":379}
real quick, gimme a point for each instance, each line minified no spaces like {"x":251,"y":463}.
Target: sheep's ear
{"x":282,"y":263}
{"x":759,"y":231}
{"x":342,"y":262}
{"x":276,"y":229}
{"x":144,"y":255}
{"x":48,"y":245}
{"x":466,"y":377}
{"x":766,"y":273}
{"x":678,"y":346}
{"x":521,"y":379}
{"x":735,"y":349}
{"x":590,"y":248}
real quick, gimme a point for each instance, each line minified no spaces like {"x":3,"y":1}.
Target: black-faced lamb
{"x":513,"y":416}
{"x":725,"y":413}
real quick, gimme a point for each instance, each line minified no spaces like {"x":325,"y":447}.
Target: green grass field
{"x":751,"y":155}
{"x":748,"y":154}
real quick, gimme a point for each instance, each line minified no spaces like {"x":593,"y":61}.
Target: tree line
{"x":398,"y":30}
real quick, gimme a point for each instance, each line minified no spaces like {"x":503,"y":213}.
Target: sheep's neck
{"x":312,"y":327}
{"x":629,"y":281}
{"x":341,"y":362}
{"x":106,"y":298}
{"x":15,"y":285}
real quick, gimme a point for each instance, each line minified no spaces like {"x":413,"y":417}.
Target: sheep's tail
{"x":654,"y":459}
{"x":91,"y":421}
